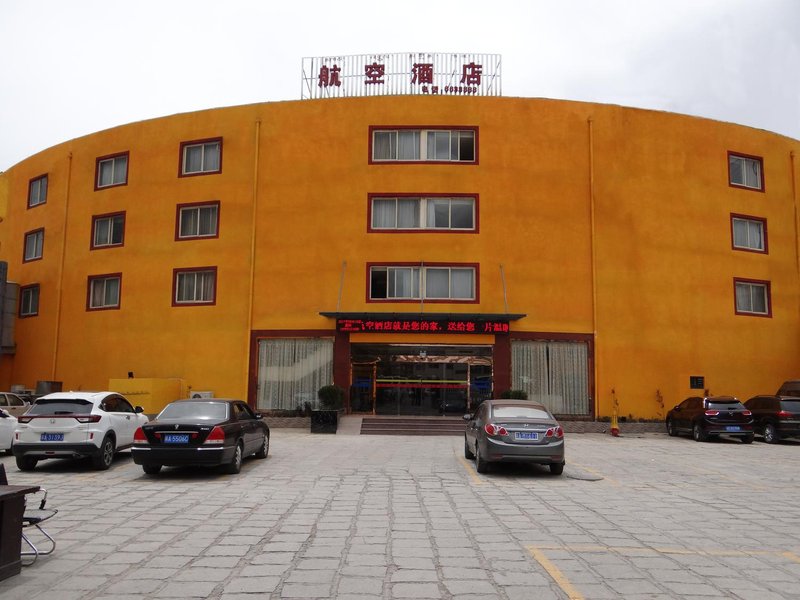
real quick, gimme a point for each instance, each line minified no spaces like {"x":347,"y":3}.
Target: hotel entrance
{"x":422,"y":380}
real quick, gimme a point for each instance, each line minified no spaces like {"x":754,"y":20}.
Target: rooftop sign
{"x":398,"y":74}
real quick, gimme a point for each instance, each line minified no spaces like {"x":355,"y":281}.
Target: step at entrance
{"x":412,"y":426}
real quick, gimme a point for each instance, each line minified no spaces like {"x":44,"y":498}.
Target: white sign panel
{"x":421,"y":73}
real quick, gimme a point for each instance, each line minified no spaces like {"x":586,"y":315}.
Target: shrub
{"x":331,"y":397}
{"x":514,"y":395}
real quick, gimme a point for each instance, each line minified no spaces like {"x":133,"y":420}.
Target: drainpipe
{"x":594,"y":263}
{"x":794,"y":199}
{"x":251,"y":285}
{"x":60,"y":278}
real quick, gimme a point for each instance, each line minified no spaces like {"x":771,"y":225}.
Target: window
{"x":37,"y":191}
{"x":108,"y":230}
{"x":749,"y":233}
{"x":752,"y":297}
{"x":423,"y":213}
{"x":201,"y":157}
{"x":195,"y":286}
{"x":29,"y":300}
{"x":104,"y":291}
{"x":427,"y":145}
{"x":34,"y":245}
{"x":197,"y":220}
{"x":438,"y":283}
{"x":745,"y":171}
{"x":112,"y":171}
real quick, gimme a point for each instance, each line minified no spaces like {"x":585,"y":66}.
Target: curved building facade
{"x":422,"y":252}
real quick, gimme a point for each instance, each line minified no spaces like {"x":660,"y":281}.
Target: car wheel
{"x":671,"y":431}
{"x":467,"y":452}
{"x":235,"y":465}
{"x":770,"y":435}
{"x":26,"y":463}
{"x":481,"y":466}
{"x":556,"y":468}
{"x":698,"y":434}
{"x":264,"y":449}
{"x":748,"y":439}
{"x":103,"y":460}
{"x":151,"y":469}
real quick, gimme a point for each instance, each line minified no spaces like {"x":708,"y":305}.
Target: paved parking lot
{"x":350,"y":516}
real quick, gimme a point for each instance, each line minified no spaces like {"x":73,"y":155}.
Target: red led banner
{"x":421,"y":326}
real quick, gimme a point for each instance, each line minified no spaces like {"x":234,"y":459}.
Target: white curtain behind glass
{"x":291,"y":371}
{"x":553,"y":373}
{"x":384,"y":213}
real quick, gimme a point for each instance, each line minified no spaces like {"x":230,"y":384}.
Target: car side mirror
{"x":138,"y":409}
{"x":3,"y":414}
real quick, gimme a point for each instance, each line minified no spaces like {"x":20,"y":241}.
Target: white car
{"x":76,"y":424}
{"x":8,"y":424}
{"x":13,"y":404}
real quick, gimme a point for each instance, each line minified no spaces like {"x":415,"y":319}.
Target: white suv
{"x":76,"y":424}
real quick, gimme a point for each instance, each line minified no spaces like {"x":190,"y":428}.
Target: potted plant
{"x":326,"y":418}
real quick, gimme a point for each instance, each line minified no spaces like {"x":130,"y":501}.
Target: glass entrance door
{"x":419,"y":380}
{"x":362,"y":393}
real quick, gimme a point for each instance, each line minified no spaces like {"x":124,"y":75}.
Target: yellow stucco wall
{"x":659,"y":299}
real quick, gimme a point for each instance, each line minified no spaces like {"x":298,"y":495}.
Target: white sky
{"x":73,"y":67}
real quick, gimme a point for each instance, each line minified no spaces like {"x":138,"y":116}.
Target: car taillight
{"x":139,"y":437}
{"x":555,"y":431}
{"x":783,"y":414}
{"x":493,"y":429}
{"x":217,"y":436}
{"x":24,"y":419}
{"x":746,"y":413}
{"x":712,"y":413}
{"x":88,"y":418}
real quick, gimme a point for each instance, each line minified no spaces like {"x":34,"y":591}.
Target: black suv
{"x":711,"y":416}
{"x":776,"y":417}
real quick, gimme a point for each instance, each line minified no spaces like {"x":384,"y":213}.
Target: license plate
{"x":52,"y":437}
{"x":526,"y":435}
{"x":732,"y":428}
{"x":176,"y":438}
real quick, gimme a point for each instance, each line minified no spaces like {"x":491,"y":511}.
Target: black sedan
{"x":776,"y":417}
{"x":216,"y":432}
{"x":709,"y":417}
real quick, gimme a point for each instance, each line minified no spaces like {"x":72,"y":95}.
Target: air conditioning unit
{"x":201,"y":395}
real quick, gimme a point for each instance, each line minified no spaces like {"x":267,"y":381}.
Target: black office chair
{"x":34,"y":517}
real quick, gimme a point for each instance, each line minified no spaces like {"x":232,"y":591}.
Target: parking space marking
{"x":555,"y":573}
{"x":470,"y":470}
{"x":537,"y":552}
{"x":644,"y":551}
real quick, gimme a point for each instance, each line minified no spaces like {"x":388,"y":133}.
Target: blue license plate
{"x":52,"y":437}
{"x":176,"y":438}
{"x":733,"y":428}
{"x":526,"y":435}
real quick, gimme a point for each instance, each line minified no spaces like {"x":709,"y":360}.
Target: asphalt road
{"x":348,"y":516}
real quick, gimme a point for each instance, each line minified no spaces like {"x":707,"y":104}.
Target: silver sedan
{"x":514,"y":431}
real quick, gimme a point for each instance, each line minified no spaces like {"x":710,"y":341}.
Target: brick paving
{"x":357,"y":517}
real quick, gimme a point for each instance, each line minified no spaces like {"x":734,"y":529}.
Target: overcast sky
{"x":72,"y":67}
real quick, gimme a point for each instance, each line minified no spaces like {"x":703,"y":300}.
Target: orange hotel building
{"x":422,"y":252}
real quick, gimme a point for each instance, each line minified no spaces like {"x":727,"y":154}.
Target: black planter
{"x":324,"y":421}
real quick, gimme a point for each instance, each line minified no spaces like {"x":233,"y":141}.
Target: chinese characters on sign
{"x":396,"y":74}
{"x":421,"y":326}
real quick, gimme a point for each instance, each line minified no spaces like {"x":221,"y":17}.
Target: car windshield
{"x":212,"y":411}
{"x":729,"y":405}
{"x":518,"y":412}
{"x":792,"y":406}
{"x":60,"y":406}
